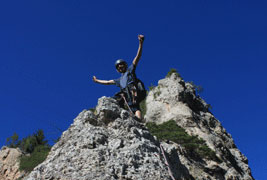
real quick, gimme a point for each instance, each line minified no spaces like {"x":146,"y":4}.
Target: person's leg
{"x":136,"y":110}
{"x":138,"y":114}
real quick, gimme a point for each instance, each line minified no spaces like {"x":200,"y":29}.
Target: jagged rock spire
{"x":175,"y":99}
{"x":108,"y":143}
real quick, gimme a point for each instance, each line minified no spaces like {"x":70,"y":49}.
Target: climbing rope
{"x":127,"y":103}
{"x":161,"y":147}
{"x":166,"y":162}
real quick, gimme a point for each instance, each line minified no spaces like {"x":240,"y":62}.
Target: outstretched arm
{"x":105,"y":82}
{"x":139,"y":52}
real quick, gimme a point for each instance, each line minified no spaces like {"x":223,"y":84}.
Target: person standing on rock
{"x":132,"y":89}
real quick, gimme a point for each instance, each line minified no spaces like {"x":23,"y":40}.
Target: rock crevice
{"x":108,"y":143}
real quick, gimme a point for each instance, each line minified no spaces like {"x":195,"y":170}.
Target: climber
{"x":132,"y":89}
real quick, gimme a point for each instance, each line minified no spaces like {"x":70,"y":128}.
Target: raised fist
{"x":141,"y":37}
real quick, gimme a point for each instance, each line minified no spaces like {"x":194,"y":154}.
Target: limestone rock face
{"x":104,"y":145}
{"x":9,"y":164}
{"x":108,"y":143}
{"x":174,"y":99}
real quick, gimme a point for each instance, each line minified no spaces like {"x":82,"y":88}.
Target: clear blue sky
{"x":49,"y":51}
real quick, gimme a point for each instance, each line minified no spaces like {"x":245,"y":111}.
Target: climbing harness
{"x":135,"y":90}
{"x":132,"y":93}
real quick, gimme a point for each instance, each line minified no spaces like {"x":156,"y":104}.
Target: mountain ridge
{"x":109,"y":143}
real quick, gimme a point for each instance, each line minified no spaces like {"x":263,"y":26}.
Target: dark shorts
{"x":134,"y":107}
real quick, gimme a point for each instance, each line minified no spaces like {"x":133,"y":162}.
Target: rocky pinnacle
{"x":108,"y":143}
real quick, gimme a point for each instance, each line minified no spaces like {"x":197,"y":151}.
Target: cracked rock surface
{"x":175,"y":99}
{"x":108,"y":143}
{"x":9,"y":164}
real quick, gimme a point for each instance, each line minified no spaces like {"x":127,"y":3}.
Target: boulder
{"x":9,"y":163}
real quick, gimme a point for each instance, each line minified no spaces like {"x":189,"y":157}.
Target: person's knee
{"x":138,"y":114}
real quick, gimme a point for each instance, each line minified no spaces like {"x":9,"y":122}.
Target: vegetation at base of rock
{"x":172,"y":70}
{"x":34,"y":146}
{"x":170,"y":131}
{"x":143,"y":107}
{"x":28,"y":163}
{"x":28,"y":144}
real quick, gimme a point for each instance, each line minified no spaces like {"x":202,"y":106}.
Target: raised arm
{"x":139,"y":52}
{"x":105,"y":82}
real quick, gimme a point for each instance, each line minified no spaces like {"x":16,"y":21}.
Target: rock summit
{"x":108,"y":143}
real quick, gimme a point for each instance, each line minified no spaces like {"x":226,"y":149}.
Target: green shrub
{"x":27,"y":144}
{"x":28,"y":163}
{"x":171,"y":131}
{"x":172,"y":70}
{"x":143,"y":107}
{"x":13,"y":141}
{"x":36,"y":147}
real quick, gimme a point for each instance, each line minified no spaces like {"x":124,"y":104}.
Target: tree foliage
{"x":29,"y":143}
{"x":35,"y":147}
{"x":13,"y":141}
{"x":143,"y":107}
{"x":28,"y":163}
{"x":170,"y":131}
{"x":172,"y":70}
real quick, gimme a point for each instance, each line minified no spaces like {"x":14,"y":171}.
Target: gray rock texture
{"x":174,"y":99}
{"x":108,"y":143}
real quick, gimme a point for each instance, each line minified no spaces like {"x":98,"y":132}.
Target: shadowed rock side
{"x":174,"y":99}
{"x":107,"y":144}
